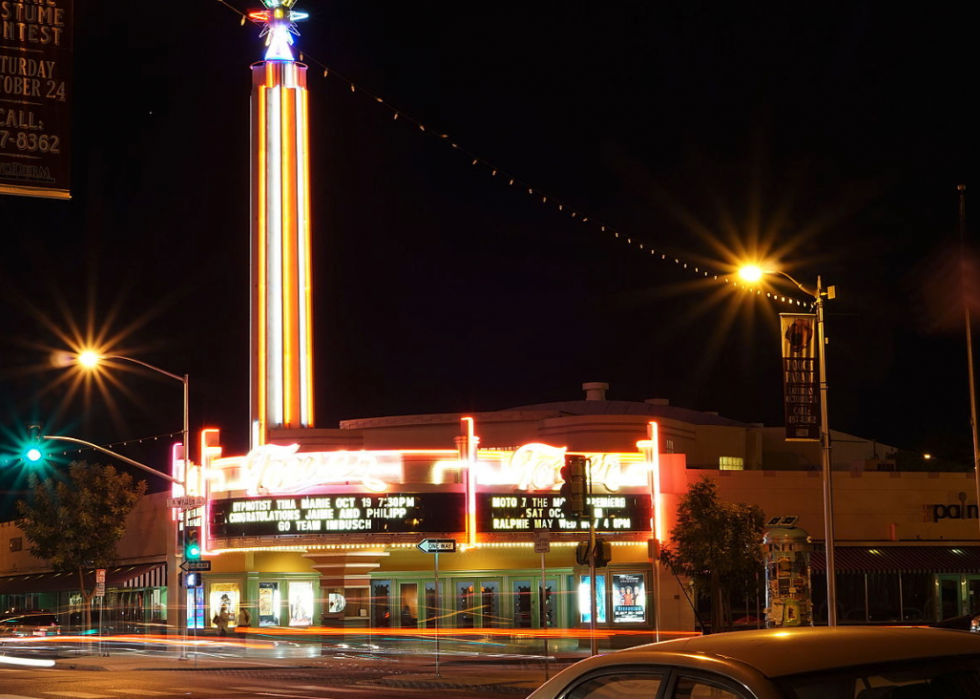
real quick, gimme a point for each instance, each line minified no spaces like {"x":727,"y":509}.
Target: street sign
{"x":195,"y":565}
{"x":542,"y":541}
{"x":100,"y":589}
{"x":186,"y":502}
{"x":438,"y":545}
{"x":100,"y":575}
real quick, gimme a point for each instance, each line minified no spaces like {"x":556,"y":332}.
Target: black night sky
{"x":831,"y":139}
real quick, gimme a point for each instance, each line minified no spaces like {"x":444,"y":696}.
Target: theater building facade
{"x":322,"y":527}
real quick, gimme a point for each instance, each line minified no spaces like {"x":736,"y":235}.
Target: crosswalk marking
{"x":195,"y":690}
{"x":79,"y":695}
{"x":14,"y":696}
{"x":142,"y":692}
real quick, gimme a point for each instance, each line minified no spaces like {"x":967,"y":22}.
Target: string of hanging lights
{"x":608,"y":232}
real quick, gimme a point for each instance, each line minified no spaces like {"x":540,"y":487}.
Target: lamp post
{"x":753,"y":274}
{"x":91,"y":359}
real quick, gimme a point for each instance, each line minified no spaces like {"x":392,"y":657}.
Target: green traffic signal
{"x":32,"y":452}
{"x":192,"y":544}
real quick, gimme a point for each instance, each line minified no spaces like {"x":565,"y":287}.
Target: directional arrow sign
{"x":438,"y":545}
{"x":186,"y":502}
{"x":195,"y":565}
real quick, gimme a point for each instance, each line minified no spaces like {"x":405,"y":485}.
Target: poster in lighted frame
{"x":585,"y":595}
{"x":629,"y":598}
{"x":269,"y":604}
{"x":300,"y":603}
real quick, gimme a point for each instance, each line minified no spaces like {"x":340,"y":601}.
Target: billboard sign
{"x":801,"y":388}
{"x":522,"y":513}
{"x":35,"y":82}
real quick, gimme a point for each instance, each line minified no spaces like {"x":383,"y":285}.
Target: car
{"x":35,"y":622}
{"x":799,"y":663}
{"x":966,"y":622}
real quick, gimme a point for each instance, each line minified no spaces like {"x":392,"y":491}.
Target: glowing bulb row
{"x":282,"y":7}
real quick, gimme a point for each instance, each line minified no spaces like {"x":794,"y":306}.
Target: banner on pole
{"x":801,"y":389}
{"x":35,"y":88}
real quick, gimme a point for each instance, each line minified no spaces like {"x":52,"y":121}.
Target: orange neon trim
{"x":287,"y":122}
{"x":470,"y":482}
{"x":308,"y":251}
{"x":261,"y":243}
{"x":655,"y":453}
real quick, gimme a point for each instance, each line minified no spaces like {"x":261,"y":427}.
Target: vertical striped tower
{"x":281,"y":323}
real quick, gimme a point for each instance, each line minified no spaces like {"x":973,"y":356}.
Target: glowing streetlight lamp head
{"x":751,"y":273}
{"x":89,"y":358}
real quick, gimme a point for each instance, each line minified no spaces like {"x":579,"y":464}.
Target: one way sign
{"x":438,"y":545}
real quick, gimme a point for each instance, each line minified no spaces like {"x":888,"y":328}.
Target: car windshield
{"x":936,"y":678}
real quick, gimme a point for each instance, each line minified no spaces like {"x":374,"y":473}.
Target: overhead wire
{"x":557,"y":205}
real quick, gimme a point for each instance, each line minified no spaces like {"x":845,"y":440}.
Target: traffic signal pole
{"x":171,"y":563}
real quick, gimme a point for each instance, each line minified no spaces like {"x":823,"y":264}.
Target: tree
{"x":75,"y":524}
{"x":718,"y":546}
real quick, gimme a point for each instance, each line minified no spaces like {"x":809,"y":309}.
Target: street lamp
{"x":753,"y":274}
{"x":91,"y":359}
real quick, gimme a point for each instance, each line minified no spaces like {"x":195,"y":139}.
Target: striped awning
{"x":900,"y":559}
{"x":128,"y":576}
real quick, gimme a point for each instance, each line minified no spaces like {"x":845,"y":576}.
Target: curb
{"x":426,"y":684}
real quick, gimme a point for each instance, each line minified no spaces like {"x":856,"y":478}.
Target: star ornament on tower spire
{"x":279,"y":20}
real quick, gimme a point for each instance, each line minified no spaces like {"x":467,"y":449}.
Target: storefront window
{"x":490,"y":611}
{"x":195,"y":608}
{"x":918,"y":599}
{"x":269,"y":604}
{"x":851,"y":599}
{"x":465,"y":608}
{"x":409,"y":605}
{"x":224,"y":599}
{"x":522,"y":604}
{"x":585,"y":598}
{"x":883,"y":597}
{"x":431,"y":605}
{"x":629,"y":598}
{"x":300,"y":603}
{"x":380,"y":609}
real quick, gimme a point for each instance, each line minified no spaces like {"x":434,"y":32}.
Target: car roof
{"x":782,"y":652}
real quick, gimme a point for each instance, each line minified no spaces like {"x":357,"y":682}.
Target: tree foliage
{"x":718,"y":546}
{"x":75,"y":524}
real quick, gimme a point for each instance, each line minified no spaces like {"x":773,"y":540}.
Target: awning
{"x":128,"y":576}
{"x":900,"y":559}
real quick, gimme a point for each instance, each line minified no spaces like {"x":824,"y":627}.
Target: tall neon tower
{"x":281,"y":323}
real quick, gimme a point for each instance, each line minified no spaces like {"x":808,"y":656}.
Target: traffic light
{"x":192,"y":543}
{"x":33,"y":450}
{"x":573,"y":489}
{"x":582,"y":553}
{"x":603,"y":553}
{"x":192,"y":579}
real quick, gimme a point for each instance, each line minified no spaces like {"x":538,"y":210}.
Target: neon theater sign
{"x":277,"y":490}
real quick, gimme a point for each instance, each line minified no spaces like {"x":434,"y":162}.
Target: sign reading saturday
{"x":351,"y":513}
{"x":521,"y":512}
{"x":35,"y":77}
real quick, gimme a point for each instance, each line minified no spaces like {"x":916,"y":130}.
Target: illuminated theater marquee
{"x":338,"y":514}
{"x":274,"y":469}
{"x":526,"y":513}
{"x":538,"y":467}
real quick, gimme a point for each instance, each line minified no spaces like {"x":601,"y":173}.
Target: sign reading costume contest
{"x":35,"y":81}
